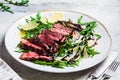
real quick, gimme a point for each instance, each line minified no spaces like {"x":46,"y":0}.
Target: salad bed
{"x":58,"y":44}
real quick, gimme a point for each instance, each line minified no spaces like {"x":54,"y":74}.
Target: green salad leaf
{"x":6,"y":8}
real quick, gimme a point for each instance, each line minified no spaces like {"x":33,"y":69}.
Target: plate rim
{"x":105,"y":56}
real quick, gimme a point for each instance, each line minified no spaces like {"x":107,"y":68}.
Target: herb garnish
{"x":4,"y":7}
{"x":66,"y":47}
{"x":87,"y":32}
{"x":22,"y":3}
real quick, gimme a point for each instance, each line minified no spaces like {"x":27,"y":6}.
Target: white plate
{"x":104,"y":44}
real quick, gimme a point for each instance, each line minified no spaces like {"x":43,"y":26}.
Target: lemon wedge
{"x":30,"y":25}
{"x":22,"y":34}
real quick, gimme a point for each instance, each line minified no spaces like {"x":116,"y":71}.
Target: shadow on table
{"x":30,"y":74}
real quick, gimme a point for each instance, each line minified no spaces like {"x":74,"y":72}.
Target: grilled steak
{"x":73,"y":25}
{"x":41,"y":43}
{"x":55,"y":36}
{"x":63,"y":39}
{"x":34,"y":56}
{"x":25,"y":44}
{"x":47,"y":43}
{"x":52,"y":44}
{"x":59,"y":28}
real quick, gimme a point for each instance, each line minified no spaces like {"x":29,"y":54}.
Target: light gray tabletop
{"x":106,"y":11}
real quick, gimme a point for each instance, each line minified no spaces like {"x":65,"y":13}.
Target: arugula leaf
{"x":38,"y":16}
{"x":98,"y":36}
{"x":63,"y":23}
{"x":79,"y":20}
{"x":5,"y":8}
{"x":88,"y":23}
{"x":58,"y":64}
{"x":22,"y":51}
{"x":91,"y":51}
{"x":88,"y":31}
{"x":85,"y":23}
{"x":22,"y":3}
{"x":66,"y":47}
{"x":69,"y":20}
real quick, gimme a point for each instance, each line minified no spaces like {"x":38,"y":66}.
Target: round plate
{"x":12,"y":38}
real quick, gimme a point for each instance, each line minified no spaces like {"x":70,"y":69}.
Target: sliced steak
{"x":54,"y":36}
{"x":52,"y":44}
{"x":63,"y":39}
{"x":59,"y":28}
{"x":41,"y":43}
{"x":70,"y":24}
{"x":25,"y":44}
{"x":34,"y":56}
{"x":58,"y":25}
